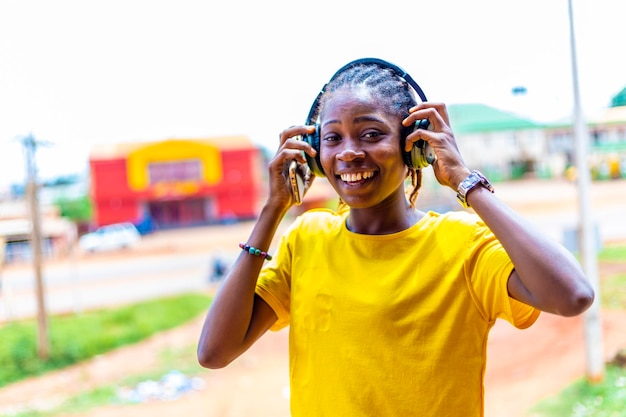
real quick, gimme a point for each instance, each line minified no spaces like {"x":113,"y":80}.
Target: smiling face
{"x":360,"y":150}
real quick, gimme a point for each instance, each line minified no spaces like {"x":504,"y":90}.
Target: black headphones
{"x":420,"y":156}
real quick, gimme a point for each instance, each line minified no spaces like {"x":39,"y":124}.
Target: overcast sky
{"x":80,"y":73}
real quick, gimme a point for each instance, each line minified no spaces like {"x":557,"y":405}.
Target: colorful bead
{"x":254,"y":251}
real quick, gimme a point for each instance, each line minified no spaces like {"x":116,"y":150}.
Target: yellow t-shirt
{"x":389,"y":325}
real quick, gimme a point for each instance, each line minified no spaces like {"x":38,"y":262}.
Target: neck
{"x":382,"y":221}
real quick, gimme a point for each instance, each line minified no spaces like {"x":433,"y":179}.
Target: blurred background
{"x":163,"y":114}
{"x":146,"y":126}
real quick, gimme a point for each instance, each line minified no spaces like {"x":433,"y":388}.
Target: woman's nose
{"x":350,"y":153}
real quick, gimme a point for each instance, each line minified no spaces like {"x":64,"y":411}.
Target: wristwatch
{"x":474,"y":178}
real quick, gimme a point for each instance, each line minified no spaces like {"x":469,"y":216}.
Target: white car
{"x":110,"y":237}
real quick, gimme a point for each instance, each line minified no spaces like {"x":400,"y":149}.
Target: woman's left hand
{"x":449,"y":167}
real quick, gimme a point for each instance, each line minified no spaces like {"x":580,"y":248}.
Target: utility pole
{"x":587,"y":240}
{"x":3,"y":292}
{"x":30,"y":146}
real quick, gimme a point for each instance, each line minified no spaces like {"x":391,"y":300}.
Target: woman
{"x":389,"y":307}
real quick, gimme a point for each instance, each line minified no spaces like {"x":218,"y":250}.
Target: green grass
{"x":613,"y":292}
{"x":79,"y":337}
{"x":613,"y":288}
{"x":75,"y":405}
{"x":613,"y":253}
{"x":181,"y":359}
{"x":582,"y":399}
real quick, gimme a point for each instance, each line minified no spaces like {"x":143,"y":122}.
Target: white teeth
{"x":357,"y":176}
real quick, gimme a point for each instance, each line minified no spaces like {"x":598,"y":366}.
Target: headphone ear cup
{"x":314,"y":163}
{"x":421,"y":154}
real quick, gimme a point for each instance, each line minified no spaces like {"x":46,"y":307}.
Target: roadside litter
{"x":170,"y":387}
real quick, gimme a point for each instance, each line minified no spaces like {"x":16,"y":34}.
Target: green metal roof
{"x":472,"y":118}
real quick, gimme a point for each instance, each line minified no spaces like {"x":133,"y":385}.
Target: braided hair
{"x":390,"y":91}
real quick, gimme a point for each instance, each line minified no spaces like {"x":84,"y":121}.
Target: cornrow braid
{"x":390,"y":91}
{"x":383,"y":83}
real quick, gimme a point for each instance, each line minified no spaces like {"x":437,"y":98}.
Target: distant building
{"x":177,"y":182}
{"x":607,"y":142}
{"x":501,"y":144}
{"x":57,"y":233}
{"x":506,"y":146}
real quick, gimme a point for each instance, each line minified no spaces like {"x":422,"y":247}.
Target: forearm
{"x":228,"y":328}
{"x":546,"y":275}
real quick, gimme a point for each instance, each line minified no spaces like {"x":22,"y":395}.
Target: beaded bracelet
{"x":254,"y":251}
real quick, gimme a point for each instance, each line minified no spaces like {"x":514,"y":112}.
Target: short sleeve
{"x":274,"y":283}
{"x":488,"y":268}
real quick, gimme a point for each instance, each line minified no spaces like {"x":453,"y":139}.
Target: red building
{"x":176,"y":182}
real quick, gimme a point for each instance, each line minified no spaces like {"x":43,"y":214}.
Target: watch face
{"x":469,"y":182}
{"x":472,"y":180}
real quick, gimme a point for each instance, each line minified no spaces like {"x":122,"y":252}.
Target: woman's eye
{"x":371,"y":135}
{"x":331,"y":138}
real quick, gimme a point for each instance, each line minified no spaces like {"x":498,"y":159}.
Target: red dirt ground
{"x":524,"y":366}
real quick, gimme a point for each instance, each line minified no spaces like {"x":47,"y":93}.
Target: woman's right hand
{"x":237,"y":317}
{"x":290,"y":148}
